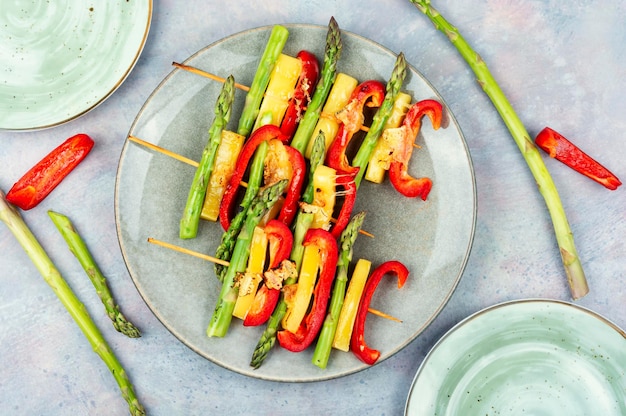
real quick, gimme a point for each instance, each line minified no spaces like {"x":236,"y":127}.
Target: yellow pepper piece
{"x":324,"y":182}
{"x":351,"y":305}
{"x":279,"y":90}
{"x":297,"y":306}
{"x":250,"y":281}
{"x":379,"y":161}
{"x":338,"y":98}
{"x":227,"y":154}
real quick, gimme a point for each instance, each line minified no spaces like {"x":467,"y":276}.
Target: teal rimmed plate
{"x":432,"y":238}
{"x":526,"y":357}
{"x":60,"y":59}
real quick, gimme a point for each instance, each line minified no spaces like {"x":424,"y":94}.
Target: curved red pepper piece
{"x":569,"y":154}
{"x":263,"y":133}
{"x":398,"y":170}
{"x":42,"y":178}
{"x":349,"y":193}
{"x":280,"y":244}
{"x":357,"y":341}
{"x":302,"y":93}
{"x":370,"y":93}
{"x":312,"y":323}
{"x":290,"y":206}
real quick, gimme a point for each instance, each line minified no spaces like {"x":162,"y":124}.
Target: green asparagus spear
{"x":227,"y":244}
{"x":273,"y":49}
{"x":325,"y":339}
{"x":329,"y":69}
{"x":362,"y":157}
{"x":52,"y":276}
{"x":573,"y":268}
{"x":78,"y":247}
{"x":222,"y":316}
{"x":302,"y":224}
{"x":191,"y":215}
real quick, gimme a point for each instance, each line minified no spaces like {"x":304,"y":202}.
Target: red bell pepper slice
{"x":263,"y":133}
{"x":280,"y":243}
{"x":302,"y":93}
{"x":568,"y":153}
{"x":312,"y":322}
{"x":357,"y":341}
{"x":42,"y":178}
{"x":370,"y":93}
{"x":349,"y":194}
{"x":398,"y":170}
{"x":290,"y":206}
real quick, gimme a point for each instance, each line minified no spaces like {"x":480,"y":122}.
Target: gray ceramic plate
{"x":525,"y":357}
{"x":61,"y":59}
{"x":432,"y":238}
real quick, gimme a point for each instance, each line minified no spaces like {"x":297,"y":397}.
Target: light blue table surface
{"x":561,"y":64}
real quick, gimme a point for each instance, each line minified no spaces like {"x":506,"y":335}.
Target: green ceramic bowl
{"x":60,"y":59}
{"x":527,"y":357}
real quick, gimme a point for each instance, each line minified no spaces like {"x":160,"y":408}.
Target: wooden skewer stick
{"x":164,"y":151}
{"x":205,"y":74}
{"x":226,"y":263}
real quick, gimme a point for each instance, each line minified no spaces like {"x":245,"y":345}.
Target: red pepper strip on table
{"x":42,"y":178}
{"x":290,"y":206}
{"x":398,"y":170}
{"x":266,"y":298}
{"x":262,"y":134}
{"x":312,"y":322}
{"x":568,"y":153}
{"x":370,"y":93}
{"x":357,"y":342}
{"x":302,"y":93}
{"x":349,"y":194}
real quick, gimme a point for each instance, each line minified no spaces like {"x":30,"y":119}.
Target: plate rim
{"x":467,"y":249}
{"x":129,"y":68}
{"x":496,"y":307}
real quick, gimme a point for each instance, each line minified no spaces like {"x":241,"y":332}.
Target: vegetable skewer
{"x":78,"y":247}
{"x":573,"y":268}
{"x":74,"y":306}
{"x":225,"y":263}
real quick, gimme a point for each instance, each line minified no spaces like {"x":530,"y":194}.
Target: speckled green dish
{"x":60,"y":59}
{"x":528,"y":357}
{"x":432,"y":238}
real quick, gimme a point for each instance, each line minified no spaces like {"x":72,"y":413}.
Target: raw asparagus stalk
{"x":332,"y":53}
{"x":227,"y":244}
{"x":274,"y":47}
{"x":381,"y":116}
{"x":573,"y":268}
{"x":191,"y":215}
{"x":302,"y":224}
{"x":78,"y":247}
{"x":52,"y":276}
{"x":327,"y":334}
{"x":223,"y":313}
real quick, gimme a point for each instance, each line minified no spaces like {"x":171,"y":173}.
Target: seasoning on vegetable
{"x":280,"y":241}
{"x":568,"y":153}
{"x":370,"y":93}
{"x":312,"y":323}
{"x":302,"y":93}
{"x":42,"y":178}
{"x":357,"y":343}
{"x":398,"y":170}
